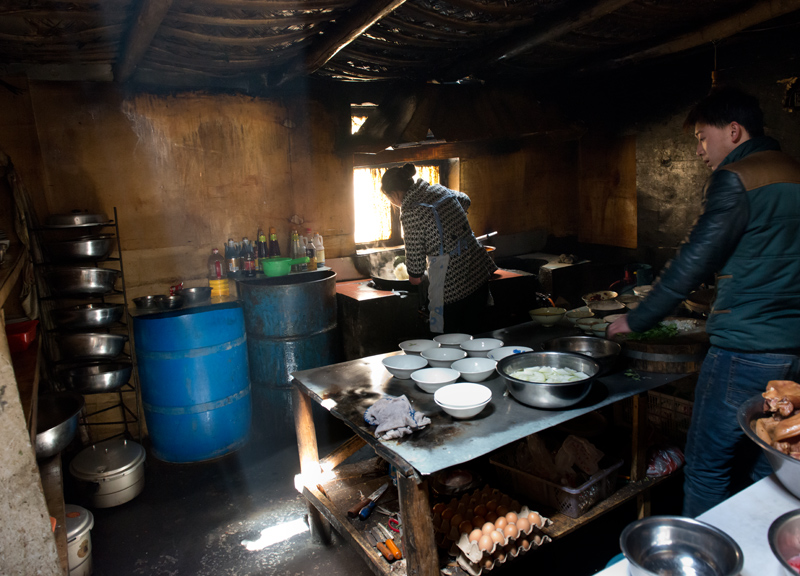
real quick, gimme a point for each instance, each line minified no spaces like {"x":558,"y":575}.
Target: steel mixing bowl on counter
{"x":679,"y":546}
{"x":82,"y":316}
{"x":604,"y":352}
{"x":784,"y":540}
{"x":56,"y":422}
{"x":98,"y":376}
{"x":786,"y":468}
{"x":79,"y":281}
{"x":196,"y":295}
{"x":549,"y":395}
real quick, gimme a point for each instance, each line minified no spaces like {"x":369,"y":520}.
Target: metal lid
{"x":107,"y":458}
{"x":78,"y":520}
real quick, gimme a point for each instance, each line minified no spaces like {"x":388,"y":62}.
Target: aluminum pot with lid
{"x":110,"y":472}
{"x":79,"y":523}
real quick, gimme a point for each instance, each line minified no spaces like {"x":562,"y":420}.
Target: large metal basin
{"x":90,"y":248}
{"x":98,"y":377}
{"x":786,"y":468}
{"x":605,"y":352}
{"x":77,"y":281}
{"x":56,"y":422}
{"x":75,"y":219}
{"x":548,"y":395}
{"x":82,"y":316}
{"x":90,"y":345}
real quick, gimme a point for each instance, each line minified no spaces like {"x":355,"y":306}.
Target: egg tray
{"x":474,"y":560}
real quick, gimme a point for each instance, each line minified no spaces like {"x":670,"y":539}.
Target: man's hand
{"x":415,"y":281}
{"x":619,"y":326}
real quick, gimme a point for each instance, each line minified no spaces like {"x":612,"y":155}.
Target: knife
{"x":390,"y":542}
{"x":382,"y":547}
{"x":373,"y":499}
{"x":353,"y":512}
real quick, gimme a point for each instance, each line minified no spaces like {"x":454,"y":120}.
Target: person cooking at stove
{"x":748,"y":234}
{"x":438,"y":237}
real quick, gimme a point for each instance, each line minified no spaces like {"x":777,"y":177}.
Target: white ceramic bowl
{"x":499,"y":353}
{"x":417,"y":346}
{"x":547,"y":316}
{"x":480,"y":347}
{"x":451,"y":340}
{"x":402,"y":365}
{"x":586,"y":324}
{"x":605,"y":307}
{"x":598,"y":296}
{"x":431,"y":379}
{"x":599,"y":329}
{"x":442,"y":357}
{"x":577,"y":313}
{"x":475,"y":369}
{"x":463,"y":400}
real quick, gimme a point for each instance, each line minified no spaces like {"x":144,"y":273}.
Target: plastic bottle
{"x":248,"y":261}
{"x":320,"y":250}
{"x":217,"y":269}
{"x":311,"y":252}
{"x":263,"y":251}
{"x":296,"y":250}
{"x":274,"y":248}
{"x":232,"y":257}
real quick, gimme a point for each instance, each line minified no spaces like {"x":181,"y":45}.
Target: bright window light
{"x":275,"y":534}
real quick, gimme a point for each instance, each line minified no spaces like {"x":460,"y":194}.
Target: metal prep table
{"x":349,"y":388}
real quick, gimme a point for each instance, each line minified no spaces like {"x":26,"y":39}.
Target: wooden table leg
{"x":415,"y":514}
{"x":309,"y":459}
{"x":639,"y":452}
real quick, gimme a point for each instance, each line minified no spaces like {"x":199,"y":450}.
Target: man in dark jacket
{"x":749,"y":233}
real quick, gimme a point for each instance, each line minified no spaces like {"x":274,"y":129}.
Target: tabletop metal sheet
{"x":349,"y":388}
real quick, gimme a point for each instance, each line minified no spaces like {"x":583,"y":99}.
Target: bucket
{"x":194,"y":381}
{"x":79,"y":523}
{"x":291,"y":325}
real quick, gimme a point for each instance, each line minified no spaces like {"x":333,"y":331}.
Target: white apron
{"x":437,"y":269}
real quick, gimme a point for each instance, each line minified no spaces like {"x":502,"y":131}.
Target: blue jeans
{"x":720,"y":459}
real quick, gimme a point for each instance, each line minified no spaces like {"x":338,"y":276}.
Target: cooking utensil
{"x":110,"y":472}
{"x":390,"y":284}
{"x":56,"y":422}
{"x":90,"y":345}
{"x":679,"y":546}
{"x":92,"y":248}
{"x":273,"y":267}
{"x":603,"y":351}
{"x":196,"y":295}
{"x":389,"y":542}
{"x":78,"y":281}
{"x":380,"y":544}
{"x":786,"y":468}
{"x":75,"y":219}
{"x":148,"y":302}
{"x":485,"y":236}
{"x":784,"y":539}
{"x":373,"y":499}
{"x":170,"y":302}
{"x":554,"y":395}
{"x":96,"y":315}
{"x":98,"y":377}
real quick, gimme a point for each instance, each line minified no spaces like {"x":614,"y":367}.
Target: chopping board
{"x":681,"y":354}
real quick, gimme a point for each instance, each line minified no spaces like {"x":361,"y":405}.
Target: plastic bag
{"x":663,"y":460}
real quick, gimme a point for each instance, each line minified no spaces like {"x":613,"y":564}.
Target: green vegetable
{"x":661,"y":330}
{"x":632,"y":374}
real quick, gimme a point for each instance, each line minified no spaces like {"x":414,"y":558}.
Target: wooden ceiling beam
{"x":281,"y":22}
{"x":525,"y":40}
{"x":272,"y":5}
{"x":456,"y":23}
{"x":151,"y":13}
{"x":761,"y":12}
{"x":344,"y":31}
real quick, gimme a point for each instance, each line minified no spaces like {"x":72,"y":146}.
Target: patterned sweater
{"x":467,"y":271}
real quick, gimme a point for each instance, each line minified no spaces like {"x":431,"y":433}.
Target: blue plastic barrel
{"x":194,"y":380}
{"x":291,"y":325}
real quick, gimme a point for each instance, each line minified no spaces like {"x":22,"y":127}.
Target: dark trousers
{"x":467,"y":315}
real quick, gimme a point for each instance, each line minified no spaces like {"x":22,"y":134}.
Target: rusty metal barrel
{"x":290,"y":322}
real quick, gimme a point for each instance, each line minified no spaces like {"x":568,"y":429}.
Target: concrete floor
{"x":240,"y":515}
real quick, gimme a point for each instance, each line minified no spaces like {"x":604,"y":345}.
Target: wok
{"x":91,"y":345}
{"x":382,"y":283}
{"x":91,"y":248}
{"x":78,"y":281}
{"x":56,"y":422}
{"x":95,"y":315}
{"x":98,"y":377}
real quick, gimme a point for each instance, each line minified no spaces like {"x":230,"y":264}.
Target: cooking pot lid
{"x":78,"y":520}
{"x":107,"y":458}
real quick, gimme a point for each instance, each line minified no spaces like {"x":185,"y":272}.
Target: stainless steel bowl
{"x":98,"y":377}
{"x":676,"y":545}
{"x":786,"y":468}
{"x":56,"y":422}
{"x":604,"y":352}
{"x":170,"y":302}
{"x":784,"y":539}
{"x":91,"y":248}
{"x":77,"y":281}
{"x":196,"y":295}
{"x":90,"y":345}
{"x":543,"y":395}
{"x":96,"y":315}
{"x":76,"y":219}
{"x":148,"y":302}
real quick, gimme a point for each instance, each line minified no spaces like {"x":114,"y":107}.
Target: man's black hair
{"x":724,"y":105}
